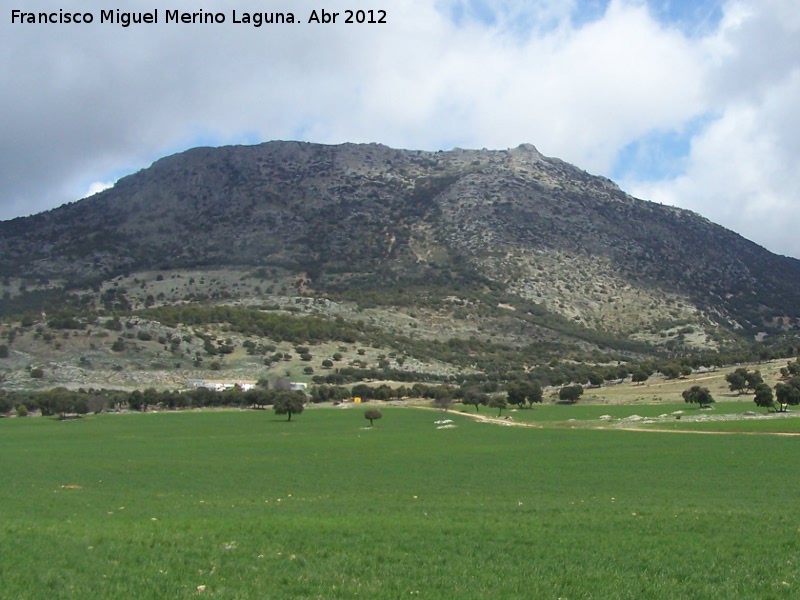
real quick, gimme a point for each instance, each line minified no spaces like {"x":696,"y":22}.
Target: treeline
{"x":276,"y":326}
{"x":64,"y":402}
{"x":61,"y":401}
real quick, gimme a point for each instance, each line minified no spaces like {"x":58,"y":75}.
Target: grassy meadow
{"x":242,"y":504}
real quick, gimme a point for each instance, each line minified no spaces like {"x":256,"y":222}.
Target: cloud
{"x":743,"y":167}
{"x":595,"y":83}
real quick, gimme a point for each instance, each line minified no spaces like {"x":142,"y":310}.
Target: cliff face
{"x":367,"y":218}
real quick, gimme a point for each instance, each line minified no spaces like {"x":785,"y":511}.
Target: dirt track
{"x":509,"y":422}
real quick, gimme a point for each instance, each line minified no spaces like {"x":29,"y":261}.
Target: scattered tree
{"x":515,"y":393}
{"x":520,"y":392}
{"x":443,"y":401}
{"x":736,"y":380}
{"x":753,"y":379}
{"x":639,"y":376}
{"x":671,"y":371}
{"x":473,"y":397}
{"x":788,"y":394}
{"x":596,"y":378}
{"x":742,"y":379}
{"x":698,"y":395}
{"x":499,"y":403}
{"x":372,"y":414}
{"x":289,"y":403}
{"x":791,"y":369}
{"x":764,"y":397}
{"x":570,"y":393}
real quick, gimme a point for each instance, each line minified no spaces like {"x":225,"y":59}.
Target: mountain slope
{"x":371,"y":223}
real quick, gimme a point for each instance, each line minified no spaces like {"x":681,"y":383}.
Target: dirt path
{"x":509,"y":422}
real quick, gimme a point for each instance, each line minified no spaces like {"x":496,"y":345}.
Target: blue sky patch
{"x":658,"y":155}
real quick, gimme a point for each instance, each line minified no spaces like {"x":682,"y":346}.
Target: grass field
{"x":250,"y":506}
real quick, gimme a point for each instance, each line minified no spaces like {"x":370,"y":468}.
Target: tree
{"x":520,"y":392}
{"x":697,"y":395}
{"x":499,"y":403}
{"x":787,"y":394}
{"x":289,"y":403}
{"x":136,"y":400}
{"x":639,"y":376}
{"x":753,"y":380}
{"x":792,"y":368}
{"x":533,"y":393}
{"x":736,"y":380}
{"x":372,"y":414}
{"x":442,"y":401}
{"x":764,"y":397}
{"x":5,"y":403}
{"x":596,"y":378}
{"x":570,"y":393}
{"x":671,"y":371}
{"x":474,"y":397}
{"x":515,"y":393}
{"x":3,"y":351}
{"x":442,"y":397}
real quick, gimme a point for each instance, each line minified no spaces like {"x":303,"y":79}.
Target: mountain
{"x":507,"y":246}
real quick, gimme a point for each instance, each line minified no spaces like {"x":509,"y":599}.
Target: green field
{"x":250,"y":506}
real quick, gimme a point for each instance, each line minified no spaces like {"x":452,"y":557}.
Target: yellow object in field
{"x":357,"y":399}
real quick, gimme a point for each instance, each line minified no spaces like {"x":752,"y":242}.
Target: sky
{"x":692,"y":103}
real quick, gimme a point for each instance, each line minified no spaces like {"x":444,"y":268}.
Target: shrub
{"x":113,"y":324}
{"x":22,"y":410}
{"x":37,"y":373}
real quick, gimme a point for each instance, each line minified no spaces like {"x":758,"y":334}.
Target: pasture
{"x":242,"y":504}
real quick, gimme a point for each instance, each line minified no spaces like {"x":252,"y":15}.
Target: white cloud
{"x":743,"y":169}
